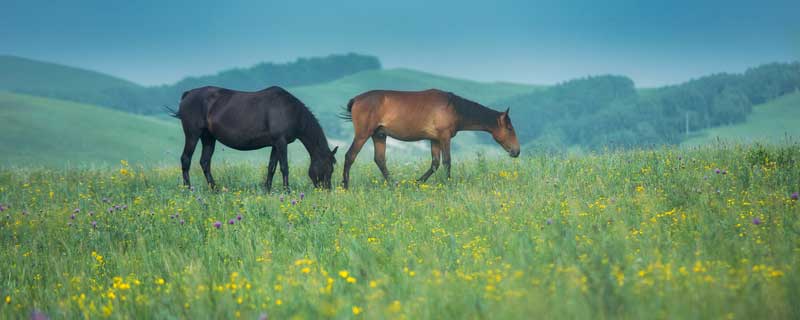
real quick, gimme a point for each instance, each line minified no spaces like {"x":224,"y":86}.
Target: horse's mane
{"x":472,"y":110}
{"x":309,"y":126}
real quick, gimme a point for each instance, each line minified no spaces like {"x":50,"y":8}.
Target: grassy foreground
{"x":636,"y":234}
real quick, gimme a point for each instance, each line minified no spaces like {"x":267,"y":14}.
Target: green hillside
{"x":49,"y":132}
{"x":58,"y":81}
{"x":331,"y":96}
{"x":327,"y":99}
{"x":769,"y":122}
{"x":40,"y":131}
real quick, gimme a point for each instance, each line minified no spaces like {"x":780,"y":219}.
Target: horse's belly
{"x":251,"y":142}
{"x":408,"y":134}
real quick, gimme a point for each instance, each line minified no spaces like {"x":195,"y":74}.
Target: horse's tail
{"x":347,"y":113}
{"x":176,"y":113}
{"x":172,"y":112}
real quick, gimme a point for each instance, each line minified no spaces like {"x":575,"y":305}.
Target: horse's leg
{"x":186,"y":157}
{"x":350,"y":157}
{"x":435,"y":152}
{"x":446,"y":155}
{"x":205,"y":158}
{"x":379,"y":142}
{"x":281,"y":147}
{"x":273,"y":162}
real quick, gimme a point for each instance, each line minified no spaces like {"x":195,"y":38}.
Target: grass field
{"x":672,"y":233}
{"x":773,"y":121}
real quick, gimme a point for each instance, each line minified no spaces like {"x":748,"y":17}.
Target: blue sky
{"x":544,"y":42}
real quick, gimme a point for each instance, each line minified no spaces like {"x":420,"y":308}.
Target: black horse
{"x":249,"y":121}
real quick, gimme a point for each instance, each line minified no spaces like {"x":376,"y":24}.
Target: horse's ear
{"x":507,"y":110}
{"x":334,"y":150}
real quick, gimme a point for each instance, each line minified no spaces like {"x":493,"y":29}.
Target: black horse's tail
{"x":347,"y":114}
{"x":172,"y":112}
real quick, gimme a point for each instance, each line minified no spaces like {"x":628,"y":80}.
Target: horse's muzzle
{"x":514,"y":153}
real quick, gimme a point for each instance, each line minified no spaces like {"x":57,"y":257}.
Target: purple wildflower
{"x":124,"y":207}
{"x":724,"y":171}
{"x":24,"y":212}
{"x":76,"y":210}
{"x":549,"y":221}
{"x":94,"y":224}
{"x":72,"y":216}
{"x":217,"y":224}
{"x":116,"y":207}
{"x":302,"y":195}
{"x":106,"y":199}
{"x":110,"y":210}
{"x":182,"y":222}
{"x":294,"y":202}
{"x":756,"y":221}
{"x":38,"y":315}
{"x":91,"y":213}
{"x":2,"y":208}
{"x":280,"y":198}
{"x":717,"y":171}
{"x":231,"y":221}
{"x":794,"y":196}
{"x":239,"y":217}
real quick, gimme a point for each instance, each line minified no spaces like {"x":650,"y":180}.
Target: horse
{"x":432,"y":114}
{"x":249,"y":121}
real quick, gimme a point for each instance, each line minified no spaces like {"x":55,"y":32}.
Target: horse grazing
{"x":249,"y":121}
{"x":416,"y":115}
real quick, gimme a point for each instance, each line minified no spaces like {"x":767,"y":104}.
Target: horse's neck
{"x":487,"y":121}
{"x":314,"y":140}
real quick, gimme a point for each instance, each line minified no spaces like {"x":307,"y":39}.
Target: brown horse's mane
{"x":473,"y":112}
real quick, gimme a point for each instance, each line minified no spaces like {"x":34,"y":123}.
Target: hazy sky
{"x":653,"y":42}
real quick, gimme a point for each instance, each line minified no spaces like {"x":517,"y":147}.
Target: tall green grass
{"x":635,"y":234}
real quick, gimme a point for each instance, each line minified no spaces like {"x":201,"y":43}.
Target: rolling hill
{"x":328,"y":99}
{"x":773,"y":121}
{"x":52,"y":80}
{"x":56,"y":133}
{"x":331,"y":96}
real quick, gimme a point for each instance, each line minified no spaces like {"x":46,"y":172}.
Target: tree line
{"x":600,"y":111}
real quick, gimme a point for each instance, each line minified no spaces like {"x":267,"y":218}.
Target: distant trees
{"x":607,"y":110}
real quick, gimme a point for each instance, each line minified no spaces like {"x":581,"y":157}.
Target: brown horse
{"x":421,"y":115}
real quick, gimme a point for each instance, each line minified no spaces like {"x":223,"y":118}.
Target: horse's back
{"x":405,"y":115}
{"x":394,"y":99}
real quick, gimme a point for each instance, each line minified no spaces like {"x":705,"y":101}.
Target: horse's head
{"x":321,"y":169}
{"x":505,"y":135}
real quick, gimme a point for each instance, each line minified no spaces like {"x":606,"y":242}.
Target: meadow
{"x":703,"y":233}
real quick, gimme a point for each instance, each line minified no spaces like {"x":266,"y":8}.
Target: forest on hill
{"x":602,"y":111}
